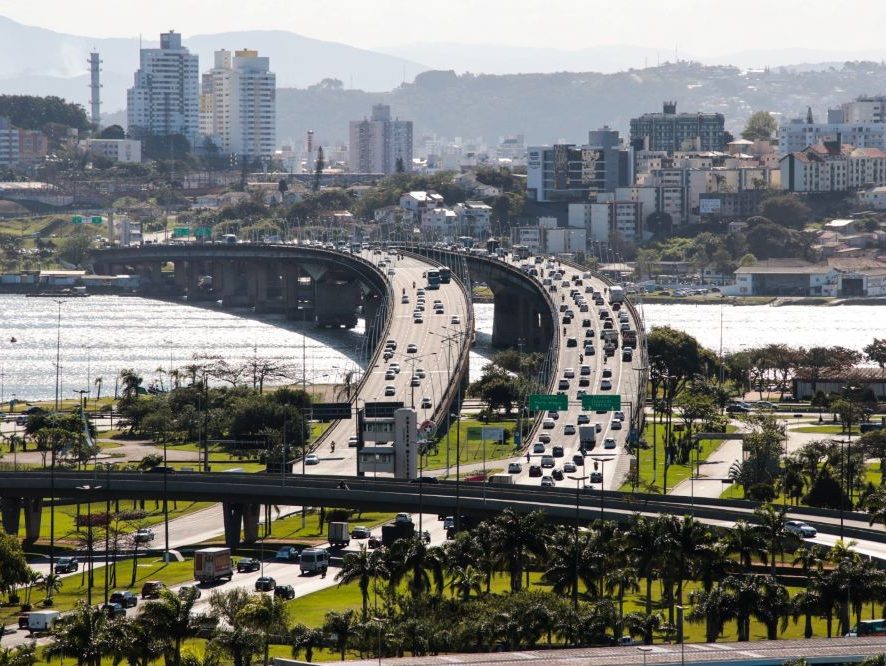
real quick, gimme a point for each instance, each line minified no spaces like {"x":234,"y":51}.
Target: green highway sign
{"x":541,"y":402}
{"x":96,"y":219}
{"x":203,"y":232}
{"x":609,"y":403}
{"x":77,"y":219}
{"x":181,"y":232}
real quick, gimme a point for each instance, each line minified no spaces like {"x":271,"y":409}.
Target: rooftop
{"x":783,"y":267}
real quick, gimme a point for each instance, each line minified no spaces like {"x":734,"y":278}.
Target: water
{"x":100,"y":335}
{"x":746,"y":327}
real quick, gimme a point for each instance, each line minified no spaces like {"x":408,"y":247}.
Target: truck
{"x":42,"y":621}
{"x":339,"y":535}
{"x":390,"y":533}
{"x":501,"y":479}
{"x":213,"y":564}
{"x":587,"y":436}
{"x":616,"y":294}
{"x":629,"y":339}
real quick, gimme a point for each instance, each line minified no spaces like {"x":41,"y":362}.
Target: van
{"x":230,"y":239}
{"x":313,"y":560}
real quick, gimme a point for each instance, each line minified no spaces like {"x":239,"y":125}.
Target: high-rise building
{"x":379,"y":144}
{"x":237,"y":104}
{"x":164,"y":98}
{"x":674,"y":132}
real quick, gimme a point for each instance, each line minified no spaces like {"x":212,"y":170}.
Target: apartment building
{"x":671,"y":132}
{"x":379,"y":144}
{"x":833,"y":167}
{"x":127,"y":151}
{"x":164,"y":98}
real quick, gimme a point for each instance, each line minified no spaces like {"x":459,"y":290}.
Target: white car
{"x":547,"y":424}
{"x":395,"y":367}
{"x":569,"y":373}
{"x":801,"y":529}
{"x":389,"y":375}
{"x":312,"y":459}
{"x":425,"y":403}
{"x":455,"y":319}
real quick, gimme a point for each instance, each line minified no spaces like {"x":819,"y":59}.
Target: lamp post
{"x":89,"y":489}
{"x":578,"y":480}
{"x":58,"y":347}
{"x":680,"y":633}
{"x":602,"y":462}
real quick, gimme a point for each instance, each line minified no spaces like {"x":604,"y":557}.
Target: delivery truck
{"x":587,"y":435}
{"x":213,"y":564}
{"x":42,"y":621}
{"x":501,"y":479}
{"x":339,"y":535}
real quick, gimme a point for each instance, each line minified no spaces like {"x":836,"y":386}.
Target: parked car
{"x":247,"y":564}
{"x":265,"y":584}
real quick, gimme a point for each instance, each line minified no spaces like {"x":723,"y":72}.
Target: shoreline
{"x":773,"y":301}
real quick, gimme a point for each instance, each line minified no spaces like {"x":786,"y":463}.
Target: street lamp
{"x":89,"y":489}
{"x":578,"y":480}
{"x":602,"y":462}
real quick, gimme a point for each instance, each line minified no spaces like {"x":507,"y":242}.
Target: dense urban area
{"x":592,"y":482}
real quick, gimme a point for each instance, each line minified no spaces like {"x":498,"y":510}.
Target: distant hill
{"x":43,"y":62}
{"x":548,"y":107}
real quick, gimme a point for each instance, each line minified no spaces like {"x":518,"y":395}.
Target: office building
{"x":164,"y":98}
{"x":671,"y":132}
{"x":237,"y":104}
{"x":379,"y":144}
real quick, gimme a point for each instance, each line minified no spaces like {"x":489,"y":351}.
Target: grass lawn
{"x":65,"y":516}
{"x":826,"y":429}
{"x":289,"y":527}
{"x":472,"y":450}
{"x":676,"y":473}
{"x":74,"y":586}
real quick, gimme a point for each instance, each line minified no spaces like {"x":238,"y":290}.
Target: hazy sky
{"x":696,"y":27}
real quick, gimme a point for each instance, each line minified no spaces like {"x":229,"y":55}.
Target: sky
{"x":695,"y":27}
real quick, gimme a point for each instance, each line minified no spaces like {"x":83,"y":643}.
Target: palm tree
{"x":643,"y":624}
{"x":53,"y":584}
{"x":484,"y":538}
{"x":746,"y":599}
{"x":266,"y":615}
{"x":517,"y":537}
{"x":715,"y":607}
{"x":304,"y":638}
{"x":170,"y":617}
{"x":34,"y":578}
{"x":98,"y":388}
{"x":21,"y":655}
{"x":772,"y":527}
{"x":129,"y":639}
{"x":341,"y":626}
{"x":423,"y":565}
{"x":643,"y":548}
{"x":806,"y":603}
{"x":79,"y":633}
{"x":687,"y":535}
{"x":744,"y":540}
{"x":132,"y":382}
{"x":622,"y":581}
{"x":362,"y":566}
{"x":465,"y":580}
{"x":774,"y":605}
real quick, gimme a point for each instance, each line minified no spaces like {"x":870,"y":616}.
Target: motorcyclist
{"x":332,"y":447}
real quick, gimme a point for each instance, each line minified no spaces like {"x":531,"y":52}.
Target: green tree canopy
{"x":760,"y":126}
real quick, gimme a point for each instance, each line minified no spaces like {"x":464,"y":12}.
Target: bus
{"x":445,"y":274}
{"x":466,"y":242}
{"x":868,"y":628}
{"x":521,"y":252}
{"x":433,"y":276}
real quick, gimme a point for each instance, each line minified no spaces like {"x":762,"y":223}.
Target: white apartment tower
{"x":378,"y":144}
{"x":164,"y":98}
{"x":237,"y":104}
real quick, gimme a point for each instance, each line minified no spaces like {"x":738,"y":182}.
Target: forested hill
{"x":548,"y":107}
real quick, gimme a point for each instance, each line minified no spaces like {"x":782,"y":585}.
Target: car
{"x":766,"y":405}
{"x":113,"y":610}
{"x":538,"y":447}
{"x":265,"y":584}
{"x":373,"y":542}
{"x":248,"y":564}
{"x":69,"y":564}
{"x":415,"y":381}
{"x":596,"y":477}
{"x":619,"y":415}
{"x":598,"y":427}
{"x":580,"y":393}
{"x":590,"y":351}
{"x":455,"y":319}
{"x":438,"y":311}
{"x":360,"y":532}
{"x":553,"y":414}
{"x":403,"y":519}
{"x":448,"y":521}
{"x":569,"y":373}
{"x":395,"y":367}
{"x":391,"y":271}
{"x":801,"y":529}
{"x":547,"y":461}
{"x":567,"y":320}
{"x":737,"y":409}
{"x":418,"y":320}
{"x":152,"y":588}
{"x":287,"y":553}
{"x":563,"y":385}
{"x":578,"y":459}
{"x":586,"y":323}
{"x":544,"y":437}
{"x":607,"y":372}
{"x":615,"y":424}
{"x":425,"y":479}
{"x":557,"y":474}
{"x":285,"y":592}
{"x":144,"y":535}
{"x":124,"y":597}
{"x":547,"y":424}
{"x":420,"y":373}
{"x":568,"y":428}
{"x":514,"y":468}
{"x":391,"y":343}
{"x":411,"y":348}
{"x":353,"y":441}
{"x":607,"y":324}
{"x":584,"y":382}
{"x":312,"y":459}
{"x":569,"y":467}
{"x":609,"y":443}
{"x":389,"y":375}
{"x":547,"y":482}
{"x":189,"y":591}
{"x":605,"y":385}
{"x":404,"y":300}
{"x":390,"y":390}
{"x":425,"y":403}
{"x":388,"y":355}
{"x":557,"y":451}
{"x":534,"y":470}
{"x":583,"y":419}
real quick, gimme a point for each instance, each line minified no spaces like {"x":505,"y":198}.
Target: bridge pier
{"x":517,"y":321}
{"x":336,"y":302}
{"x":233,"y":517}
{"x":33,"y":507}
{"x":251,"y":514}
{"x":11,"y":511}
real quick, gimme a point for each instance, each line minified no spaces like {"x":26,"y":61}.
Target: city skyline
{"x":558,"y":24}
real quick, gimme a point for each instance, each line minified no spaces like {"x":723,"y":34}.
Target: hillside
{"x":548,"y":107}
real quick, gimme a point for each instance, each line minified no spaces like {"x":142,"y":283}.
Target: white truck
{"x":587,"y":436}
{"x":339,"y":534}
{"x":213,"y":564}
{"x":42,"y":621}
{"x":501,"y":479}
{"x":616,"y":294}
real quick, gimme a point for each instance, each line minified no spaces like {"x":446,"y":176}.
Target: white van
{"x":314,"y":560}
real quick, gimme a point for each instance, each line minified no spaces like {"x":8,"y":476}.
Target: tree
{"x":21,"y":655}
{"x":772,"y":525}
{"x":412,"y":559}
{"x":362,"y":566}
{"x":786,"y":210}
{"x":816,"y":360}
{"x":266,"y":615}
{"x":518,"y":536}
{"x":760,"y":126}
{"x":304,"y":638}
{"x":14,"y":569}
{"x":170,"y":617}
{"x":79,"y":633}
{"x":340,"y":627}
{"x":876,"y":352}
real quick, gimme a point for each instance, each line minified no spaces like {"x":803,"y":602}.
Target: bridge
{"x":243,"y":495}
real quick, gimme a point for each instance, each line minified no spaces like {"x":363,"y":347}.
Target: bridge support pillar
{"x":11,"y":511}
{"x":250,"y":522}
{"x":33,"y":515}
{"x":233,"y":518}
{"x":335,"y":303}
{"x":258,"y":286}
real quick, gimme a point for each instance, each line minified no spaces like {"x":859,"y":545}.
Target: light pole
{"x":602,"y":462}
{"x":578,"y":480}
{"x":89,"y":489}
{"x":680,"y":633}
{"x":58,"y":347}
